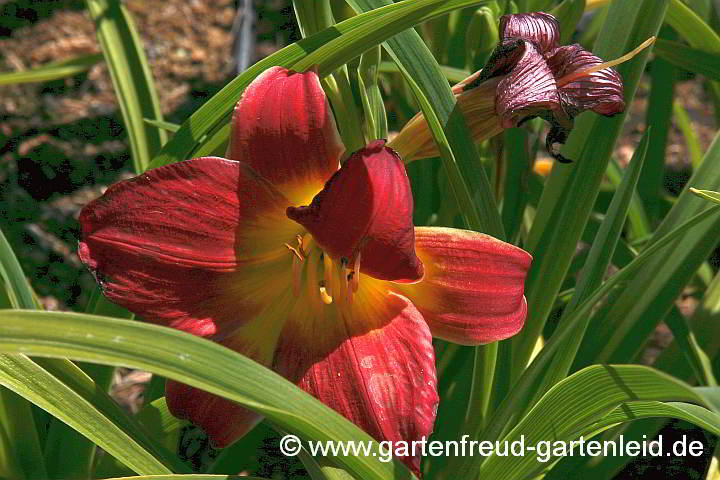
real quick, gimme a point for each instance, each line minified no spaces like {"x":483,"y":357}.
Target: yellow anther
{"x":327,"y":299}
{"x":571,"y":77}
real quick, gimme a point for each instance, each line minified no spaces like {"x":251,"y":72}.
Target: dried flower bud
{"x":528,"y":75}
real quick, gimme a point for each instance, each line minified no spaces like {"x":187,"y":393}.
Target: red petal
{"x":367,"y":207}
{"x":283,"y":128}
{"x":222,"y":420}
{"x":472,"y":292}
{"x":528,"y":90}
{"x":190,"y":245}
{"x":540,"y":28}
{"x":375,"y":366}
{"x":601,"y":91}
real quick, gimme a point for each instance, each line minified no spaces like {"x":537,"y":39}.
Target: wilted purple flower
{"x":528,"y":75}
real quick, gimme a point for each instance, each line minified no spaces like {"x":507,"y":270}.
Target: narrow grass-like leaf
{"x":452,"y":74}
{"x":74,"y":378}
{"x":658,"y":117}
{"x":131,"y":77}
{"x":517,"y":400}
{"x":169,"y":126}
{"x":161,"y":424}
{"x":339,"y":43}
{"x":26,"y":378}
{"x":462,"y":192}
{"x":571,"y":190}
{"x":635,"y":410}
{"x":697,"y":33}
{"x":683,"y":122}
{"x":244,"y":455}
{"x":687,"y":342}
{"x":319,"y":468}
{"x":22,"y":449}
{"x":638,"y":222}
{"x":52,"y":71}
{"x":23,"y":452}
{"x":523,"y":389}
{"x":705,"y":323}
{"x":619,"y":332}
{"x":16,"y":285}
{"x":691,"y":27}
{"x":373,"y":105}
{"x":595,"y":269}
{"x":313,"y":17}
{"x":577,"y":403}
{"x":517,"y":177}
{"x":194,"y":361}
{"x":691,"y":59}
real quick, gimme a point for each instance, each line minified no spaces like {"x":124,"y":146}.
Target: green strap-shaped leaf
{"x":21,"y":447}
{"x":691,"y":59}
{"x":595,"y":268}
{"x":517,"y":399}
{"x":578,"y":403}
{"x":692,"y":27}
{"x":52,"y":71}
{"x":629,"y":412}
{"x":194,"y":361}
{"x":26,"y":378}
{"x":131,"y":77}
{"x":622,"y":330}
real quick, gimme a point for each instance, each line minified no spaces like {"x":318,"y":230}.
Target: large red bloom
{"x":313,"y":270}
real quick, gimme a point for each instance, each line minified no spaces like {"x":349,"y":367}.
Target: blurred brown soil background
{"x":62,"y":142}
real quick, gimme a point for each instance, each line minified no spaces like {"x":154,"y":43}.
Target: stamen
{"x":297,"y":263}
{"x":571,"y":77}
{"x":296,"y":252}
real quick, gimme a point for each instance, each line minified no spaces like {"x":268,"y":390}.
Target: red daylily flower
{"x":313,"y":270}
